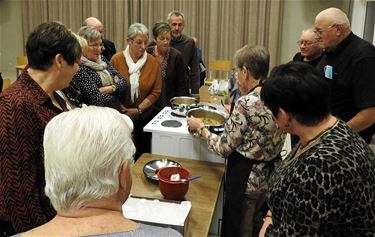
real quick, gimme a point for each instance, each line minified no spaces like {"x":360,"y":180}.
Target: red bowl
{"x":173,"y":190}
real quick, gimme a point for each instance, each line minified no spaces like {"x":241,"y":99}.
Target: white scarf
{"x":134,"y":72}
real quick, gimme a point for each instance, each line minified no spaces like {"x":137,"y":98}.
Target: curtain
{"x":221,"y":26}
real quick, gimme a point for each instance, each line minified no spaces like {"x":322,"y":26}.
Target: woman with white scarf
{"x":99,"y":83}
{"x":143,"y":75}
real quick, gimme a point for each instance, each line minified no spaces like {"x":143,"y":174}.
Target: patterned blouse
{"x":327,"y":190}
{"x":252,"y":132}
{"x":25,"y":109}
{"x":89,"y":82}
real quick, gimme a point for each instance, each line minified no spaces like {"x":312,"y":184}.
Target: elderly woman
{"x":173,"y":68}
{"x":26,"y":106}
{"x":251,"y":141}
{"x":326,"y":185}
{"x":142,"y":72}
{"x":99,"y":83}
{"x":88,"y":158}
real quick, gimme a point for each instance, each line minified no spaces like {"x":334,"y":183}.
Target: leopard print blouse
{"x":327,"y":190}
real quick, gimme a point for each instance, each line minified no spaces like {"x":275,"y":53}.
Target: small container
{"x":173,"y":190}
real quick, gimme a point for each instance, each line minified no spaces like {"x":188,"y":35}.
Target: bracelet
{"x":140,"y":111}
{"x":113,"y":88}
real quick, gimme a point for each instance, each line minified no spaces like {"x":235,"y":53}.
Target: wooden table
{"x":203,"y":193}
{"x":205,"y":96}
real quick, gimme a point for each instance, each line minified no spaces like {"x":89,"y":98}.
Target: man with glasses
{"x":109,"y":48}
{"x":349,"y":67}
{"x":310,"y":50}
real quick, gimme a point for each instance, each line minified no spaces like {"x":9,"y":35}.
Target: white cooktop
{"x":155,"y":125}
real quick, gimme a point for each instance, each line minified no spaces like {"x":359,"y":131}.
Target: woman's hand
{"x":194,"y":123}
{"x":132,"y":113}
{"x":106,"y":89}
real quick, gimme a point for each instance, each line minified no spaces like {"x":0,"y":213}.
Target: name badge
{"x":328,"y":71}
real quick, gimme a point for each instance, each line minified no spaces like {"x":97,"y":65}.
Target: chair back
{"x":218,"y":70}
{"x":6,"y":83}
{"x":22,"y":60}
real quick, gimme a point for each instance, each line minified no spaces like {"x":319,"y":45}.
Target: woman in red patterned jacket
{"x":53,"y":52}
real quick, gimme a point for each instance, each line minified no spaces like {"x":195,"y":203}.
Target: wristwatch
{"x":140,"y":111}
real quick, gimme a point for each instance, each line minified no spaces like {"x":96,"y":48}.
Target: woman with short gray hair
{"x":142,"y":73}
{"x":98,"y":82}
{"x":251,"y":142}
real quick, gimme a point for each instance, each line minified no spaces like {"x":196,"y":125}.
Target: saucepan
{"x":180,"y":105}
{"x":213,"y":119}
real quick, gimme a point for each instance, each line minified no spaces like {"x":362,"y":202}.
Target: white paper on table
{"x":156,"y":211}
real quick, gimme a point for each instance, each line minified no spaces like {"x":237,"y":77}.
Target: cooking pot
{"x":180,"y":105}
{"x":214,"y":120}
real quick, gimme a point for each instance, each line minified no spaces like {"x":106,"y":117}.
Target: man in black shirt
{"x":349,"y":67}
{"x":186,"y":46}
{"x":310,"y":50}
{"x":109,"y":47}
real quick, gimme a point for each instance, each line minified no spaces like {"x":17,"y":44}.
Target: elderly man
{"x":310,"y":50}
{"x":349,"y":66}
{"x":109,"y":47}
{"x":186,"y":46}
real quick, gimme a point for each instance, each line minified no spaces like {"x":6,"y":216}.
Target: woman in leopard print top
{"x":326,"y":186}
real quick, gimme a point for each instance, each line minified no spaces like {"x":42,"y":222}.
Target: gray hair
{"x":89,"y":33}
{"x":84,"y":150}
{"x":136,"y":29}
{"x":255,"y":58}
{"x":312,"y":31}
{"x":176,"y":13}
{"x":82,"y":41}
{"x":159,"y":28}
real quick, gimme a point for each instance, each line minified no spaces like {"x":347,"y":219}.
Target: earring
{"x":287,"y":125}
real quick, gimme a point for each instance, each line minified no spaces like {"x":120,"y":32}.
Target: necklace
{"x":302,"y":147}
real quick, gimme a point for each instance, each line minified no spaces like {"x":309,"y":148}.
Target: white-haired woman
{"x":88,"y":154}
{"x":99,"y":83}
{"x":142,"y":72}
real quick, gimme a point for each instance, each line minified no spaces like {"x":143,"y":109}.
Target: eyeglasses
{"x":306,"y":42}
{"x":96,"y":46}
{"x":140,"y":43}
{"x":320,"y":31}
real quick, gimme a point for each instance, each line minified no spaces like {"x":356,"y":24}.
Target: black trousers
{"x":237,"y":174}
{"x":142,"y":140}
{"x":6,"y":229}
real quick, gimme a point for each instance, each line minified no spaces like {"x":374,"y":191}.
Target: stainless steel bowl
{"x":207,"y":113}
{"x":184,"y":100}
{"x":180,"y":105}
{"x":151,"y":167}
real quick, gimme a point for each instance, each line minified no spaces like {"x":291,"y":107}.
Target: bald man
{"x":349,"y":67}
{"x":109,"y":47}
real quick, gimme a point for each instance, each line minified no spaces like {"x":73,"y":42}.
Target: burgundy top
{"x":25,"y":109}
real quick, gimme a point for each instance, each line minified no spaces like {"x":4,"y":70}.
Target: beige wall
{"x":298,"y":14}
{"x":10,"y":37}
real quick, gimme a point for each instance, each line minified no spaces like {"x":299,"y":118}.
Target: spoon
{"x":190,"y":179}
